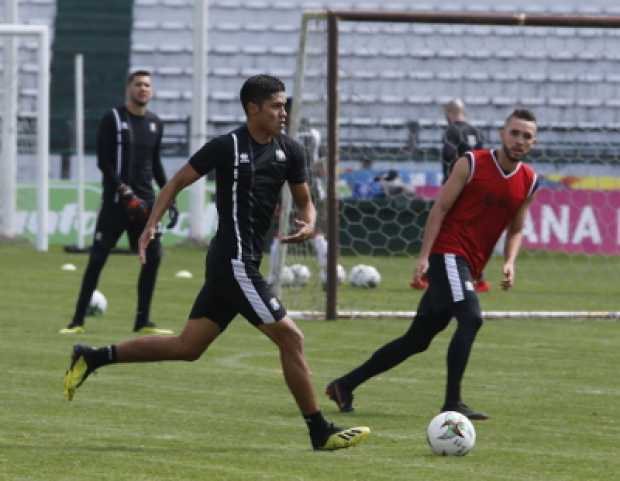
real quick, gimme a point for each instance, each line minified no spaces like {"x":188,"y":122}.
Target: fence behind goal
{"x":383,"y":112}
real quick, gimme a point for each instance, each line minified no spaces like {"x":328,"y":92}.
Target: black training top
{"x":128,"y":151}
{"x":248,"y":177}
{"x":458,"y":138}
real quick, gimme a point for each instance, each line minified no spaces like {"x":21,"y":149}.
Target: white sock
{"x":273,"y":254}
{"x":320,"y":248}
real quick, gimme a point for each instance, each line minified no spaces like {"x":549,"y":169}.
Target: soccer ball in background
{"x":98,"y":304}
{"x":301,"y":275}
{"x":341,"y":274}
{"x":363,"y":275}
{"x":451,"y":434}
{"x":287,"y":277}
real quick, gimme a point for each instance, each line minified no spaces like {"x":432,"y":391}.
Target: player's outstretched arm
{"x":306,"y":219}
{"x":185,"y":176}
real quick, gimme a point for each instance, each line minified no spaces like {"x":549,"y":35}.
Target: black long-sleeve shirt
{"x":128,"y":152}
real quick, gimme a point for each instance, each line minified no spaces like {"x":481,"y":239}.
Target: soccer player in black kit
{"x":251,"y":165}
{"x":128,"y":155}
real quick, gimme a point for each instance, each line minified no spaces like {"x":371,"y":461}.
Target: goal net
{"x":24,"y":127}
{"x":381,"y":122}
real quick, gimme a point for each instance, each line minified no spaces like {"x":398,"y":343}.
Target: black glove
{"x":173,"y":214}
{"x":137,"y":209}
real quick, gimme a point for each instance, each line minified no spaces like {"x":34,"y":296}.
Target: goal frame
{"x":41,"y":33}
{"x":333,"y":18}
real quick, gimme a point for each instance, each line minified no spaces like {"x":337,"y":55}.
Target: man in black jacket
{"x":459,"y":137}
{"x":128,"y":155}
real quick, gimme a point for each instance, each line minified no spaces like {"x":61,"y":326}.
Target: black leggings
{"x":436,"y":309}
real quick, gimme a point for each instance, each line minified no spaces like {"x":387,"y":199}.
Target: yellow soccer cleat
{"x":78,"y":370}
{"x":152,"y":330}
{"x":343,"y":438}
{"x":71,"y":329}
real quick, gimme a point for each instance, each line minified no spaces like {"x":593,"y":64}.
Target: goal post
{"x":38,"y":112}
{"x":374,"y":82}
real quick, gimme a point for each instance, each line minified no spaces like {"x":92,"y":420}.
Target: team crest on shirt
{"x":243,"y":158}
{"x":280,"y":155}
{"x":153,"y":127}
{"x":124,"y":126}
{"x":469,"y":285}
{"x":275,"y":305}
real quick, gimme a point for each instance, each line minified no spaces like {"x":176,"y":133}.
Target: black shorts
{"x":451,"y":289}
{"x":236,"y":287}
{"x":112,"y":221}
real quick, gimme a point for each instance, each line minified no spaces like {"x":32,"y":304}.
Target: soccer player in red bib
{"x":488,"y":191}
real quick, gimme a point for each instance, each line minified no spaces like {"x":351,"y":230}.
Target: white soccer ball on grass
{"x":451,"y":433}
{"x":98,"y":304}
{"x":363,"y":275}
{"x":287,"y":277}
{"x":301,"y":274}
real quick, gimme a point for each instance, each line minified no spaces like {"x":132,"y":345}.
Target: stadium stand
{"x":244,"y":39}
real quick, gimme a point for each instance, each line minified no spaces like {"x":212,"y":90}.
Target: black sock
{"x":317,"y":425}
{"x":103,"y":356}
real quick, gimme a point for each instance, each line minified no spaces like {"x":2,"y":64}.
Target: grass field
{"x":551,"y":387}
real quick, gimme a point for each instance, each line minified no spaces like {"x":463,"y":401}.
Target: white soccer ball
{"x":341,"y":275}
{"x":450,"y":433}
{"x":98,"y":304}
{"x":287,"y":277}
{"x":301,"y":275}
{"x":365,"y":276}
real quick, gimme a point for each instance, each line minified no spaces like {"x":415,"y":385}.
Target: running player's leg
{"x":263,"y":309}
{"x":205,"y":323}
{"x":110,"y":225}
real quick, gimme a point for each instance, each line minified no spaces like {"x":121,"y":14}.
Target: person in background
{"x":128,"y":155}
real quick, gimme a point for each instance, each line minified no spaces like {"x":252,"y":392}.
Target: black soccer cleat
{"x":341,"y":395}
{"x":464,"y":409}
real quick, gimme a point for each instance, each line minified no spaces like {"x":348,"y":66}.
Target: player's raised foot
{"x":335,"y":437}
{"x":420,"y":284}
{"x":482,"y":286}
{"x":72,"y":329}
{"x":151,"y":329}
{"x":79,"y":369}
{"x":341,"y":395}
{"x":464,"y":409}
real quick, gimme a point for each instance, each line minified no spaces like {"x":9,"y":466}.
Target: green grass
{"x":551,"y":387}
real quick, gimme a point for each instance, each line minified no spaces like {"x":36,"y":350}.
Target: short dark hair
{"x":523,"y":114}
{"x":138,"y":73}
{"x":259,"y":88}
